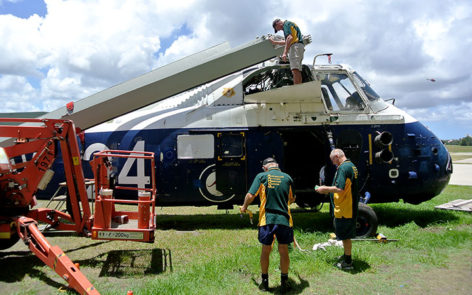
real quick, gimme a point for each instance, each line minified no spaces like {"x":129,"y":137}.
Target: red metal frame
{"x":53,"y":256}
{"x":19,"y":182}
{"x":41,"y":140}
{"x":105,"y":210}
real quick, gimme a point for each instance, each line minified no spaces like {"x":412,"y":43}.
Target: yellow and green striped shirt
{"x":346,"y":203}
{"x":292,"y":29}
{"x":274,"y":189}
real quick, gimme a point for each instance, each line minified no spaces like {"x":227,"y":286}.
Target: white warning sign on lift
{"x":120,"y":235}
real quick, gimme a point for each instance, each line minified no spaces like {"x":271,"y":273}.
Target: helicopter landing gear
{"x":366,"y":221}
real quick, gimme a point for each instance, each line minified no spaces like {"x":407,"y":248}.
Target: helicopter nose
{"x":449,"y":164}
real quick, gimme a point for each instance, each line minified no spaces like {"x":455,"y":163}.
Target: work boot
{"x":343,"y":265}
{"x":284,"y":283}
{"x":264,"y":285}
{"x":285,"y":286}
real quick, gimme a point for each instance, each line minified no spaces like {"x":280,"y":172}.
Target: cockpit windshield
{"x":339,"y":94}
{"x":369,"y":92}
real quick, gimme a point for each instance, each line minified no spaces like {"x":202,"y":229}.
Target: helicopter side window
{"x":232,"y":145}
{"x":327,"y":98}
{"x":195,"y":146}
{"x":354,"y":102}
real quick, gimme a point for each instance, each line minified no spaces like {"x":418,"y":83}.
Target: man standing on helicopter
{"x":294,"y":46}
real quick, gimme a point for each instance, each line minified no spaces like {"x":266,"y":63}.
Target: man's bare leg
{"x":265,"y":253}
{"x":297,"y":76}
{"x":284,"y":258}
{"x":347,"y":247}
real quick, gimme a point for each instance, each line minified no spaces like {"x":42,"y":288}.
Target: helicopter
{"x":210,"y":136}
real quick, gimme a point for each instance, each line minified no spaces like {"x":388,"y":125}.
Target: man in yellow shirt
{"x":294,"y":47}
{"x":345,"y":198}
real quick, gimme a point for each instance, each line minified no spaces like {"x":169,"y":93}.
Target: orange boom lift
{"x":25,"y":168}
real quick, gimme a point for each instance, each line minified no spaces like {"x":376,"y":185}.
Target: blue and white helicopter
{"x":210,"y":140}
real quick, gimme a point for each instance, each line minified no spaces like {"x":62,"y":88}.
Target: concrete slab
{"x":464,"y":161}
{"x":461,"y":174}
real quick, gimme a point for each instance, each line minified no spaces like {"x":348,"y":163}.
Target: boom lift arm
{"x":19,"y":183}
{"x":37,"y":146}
{"x":166,"y":81}
{"x":53,"y":256}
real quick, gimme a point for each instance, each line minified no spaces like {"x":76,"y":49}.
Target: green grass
{"x":214,"y":252}
{"x":459,"y":148}
{"x":455,"y":149}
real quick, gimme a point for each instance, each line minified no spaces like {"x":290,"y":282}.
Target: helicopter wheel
{"x":366,"y":221}
{"x":309,"y":202}
{"x":318,"y":207}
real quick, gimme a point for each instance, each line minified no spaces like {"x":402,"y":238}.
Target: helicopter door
{"x":231,"y":163}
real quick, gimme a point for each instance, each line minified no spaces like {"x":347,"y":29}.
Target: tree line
{"x":464,"y":141}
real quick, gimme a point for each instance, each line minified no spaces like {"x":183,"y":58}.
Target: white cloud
{"x":85,"y":46}
{"x":81,"y":47}
{"x":187,"y":45}
{"x":448,"y":121}
{"x":434,"y":114}
{"x":21,"y":45}
{"x":15,"y":93}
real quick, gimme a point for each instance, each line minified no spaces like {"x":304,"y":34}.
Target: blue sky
{"x":56,"y":51}
{"x":23,"y":9}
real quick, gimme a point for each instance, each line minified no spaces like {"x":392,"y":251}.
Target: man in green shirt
{"x":274,"y":189}
{"x":344,"y":196}
{"x":293,"y":46}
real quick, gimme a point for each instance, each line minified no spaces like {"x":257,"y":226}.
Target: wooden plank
{"x":457,"y":205}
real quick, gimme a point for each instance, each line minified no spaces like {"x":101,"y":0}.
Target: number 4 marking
{"x":140,"y":179}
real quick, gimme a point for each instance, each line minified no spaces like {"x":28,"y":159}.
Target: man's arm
{"x":291,"y":196}
{"x":340,"y":181}
{"x":280,"y":42}
{"x":247,"y":201}
{"x":328,"y":189}
{"x":288,"y":42}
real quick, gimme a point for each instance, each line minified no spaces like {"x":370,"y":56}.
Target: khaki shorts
{"x":295,"y":56}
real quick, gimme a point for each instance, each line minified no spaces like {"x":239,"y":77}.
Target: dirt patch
{"x":453,"y":279}
{"x":193,"y":232}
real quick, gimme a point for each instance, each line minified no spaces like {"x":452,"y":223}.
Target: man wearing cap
{"x":294,"y":46}
{"x":274,"y":189}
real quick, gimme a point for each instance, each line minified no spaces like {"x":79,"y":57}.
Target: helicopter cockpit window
{"x":339,"y":93}
{"x":272,"y":77}
{"x":369,"y":92}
